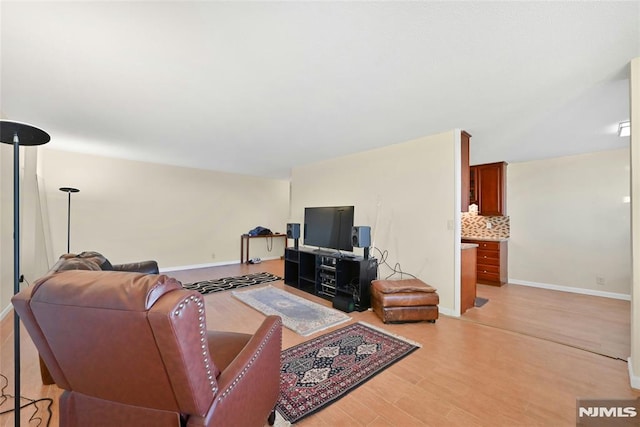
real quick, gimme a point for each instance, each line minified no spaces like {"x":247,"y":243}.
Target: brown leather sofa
{"x":91,"y":260}
{"x":132,"y":349}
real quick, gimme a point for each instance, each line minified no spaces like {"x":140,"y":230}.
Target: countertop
{"x":464,"y":246}
{"x":488,"y":239}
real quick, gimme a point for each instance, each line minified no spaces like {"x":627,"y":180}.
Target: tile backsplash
{"x":476,"y":226}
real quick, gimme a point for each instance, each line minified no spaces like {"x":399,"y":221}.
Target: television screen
{"x":329,"y":227}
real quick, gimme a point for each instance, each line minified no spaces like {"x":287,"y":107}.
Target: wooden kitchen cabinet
{"x":491,"y":261}
{"x":465,"y":138}
{"x":468,"y":277}
{"x":473,"y":188}
{"x":487,"y":188}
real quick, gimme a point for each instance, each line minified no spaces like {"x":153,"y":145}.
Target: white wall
{"x":408,"y":193}
{"x":6,"y":226}
{"x":131,"y":211}
{"x":570,"y":223}
{"x":634,"y":360}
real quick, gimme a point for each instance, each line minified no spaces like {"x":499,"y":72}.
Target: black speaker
{"x":343,"y":303}
{"x":293,"y":231}
{"x":361,"y":236}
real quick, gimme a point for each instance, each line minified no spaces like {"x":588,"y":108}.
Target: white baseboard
{"x":448,"y":312}
{"x":571,"y":289}
{"x":213,"y":264}
{"x":8,"y":309}
{"x":633,"y":379}
{"x":194,"y":266}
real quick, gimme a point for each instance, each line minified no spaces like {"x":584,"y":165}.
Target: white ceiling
{"x":260,"y":87}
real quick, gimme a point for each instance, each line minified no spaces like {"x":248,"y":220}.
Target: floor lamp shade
{"x":17,"y":134}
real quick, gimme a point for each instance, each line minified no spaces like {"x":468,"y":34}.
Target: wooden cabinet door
{"x":490,"y":181}
{"x":468,"y":279}
{"x":473,"y":185}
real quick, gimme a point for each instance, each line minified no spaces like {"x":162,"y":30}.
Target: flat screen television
{"x":329,"y":227}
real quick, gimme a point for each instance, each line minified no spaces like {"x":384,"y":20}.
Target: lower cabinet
{"x":331,"y":275}
{"x":491,"y":263}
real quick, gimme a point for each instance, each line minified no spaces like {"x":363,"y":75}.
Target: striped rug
{"x":227,"y":283}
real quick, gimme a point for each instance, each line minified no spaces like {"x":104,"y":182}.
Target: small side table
{"x":244,"y":254}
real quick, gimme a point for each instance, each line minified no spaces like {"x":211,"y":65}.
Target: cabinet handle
{"x":485,"y":256}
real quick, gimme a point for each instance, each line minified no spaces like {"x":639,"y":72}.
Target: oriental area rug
{"x":226,"y":283}
{"x":298,"y":314}
{"x":320,"y":371}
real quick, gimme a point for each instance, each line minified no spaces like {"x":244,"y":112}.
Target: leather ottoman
{"x":407,"y":300}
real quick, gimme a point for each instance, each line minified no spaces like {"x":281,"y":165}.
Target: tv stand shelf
{"x":330,"y":275}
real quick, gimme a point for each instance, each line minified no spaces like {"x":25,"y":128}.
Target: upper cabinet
{"x":487,"y":188}
{"x":465,"y":138}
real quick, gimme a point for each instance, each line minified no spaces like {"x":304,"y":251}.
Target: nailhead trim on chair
{"x":203,"y":340}
{"x":253,"y":359}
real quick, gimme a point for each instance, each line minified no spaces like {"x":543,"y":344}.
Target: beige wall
{"x":634,"y":360}
{"x":407,"y":193}
{"x":131,"y":210}
{"x":570,"y":222}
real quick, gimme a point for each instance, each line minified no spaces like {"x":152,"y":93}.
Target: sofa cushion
{"x":97,"y":257}
{"x":403,"y":285}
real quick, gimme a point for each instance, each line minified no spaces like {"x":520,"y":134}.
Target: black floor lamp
{"x":18,"y":134}
{"x":69,"y":190}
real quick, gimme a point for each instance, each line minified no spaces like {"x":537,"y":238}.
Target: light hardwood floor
{"x":465,"y":374}
{"x":597,"y":324}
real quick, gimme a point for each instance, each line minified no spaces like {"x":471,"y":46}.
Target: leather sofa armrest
{"x":146,"y":267}
{"x":251,"y":382}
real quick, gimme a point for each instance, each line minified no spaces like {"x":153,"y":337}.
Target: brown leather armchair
{"x":94,"y":261}
{"x":131,"y":349}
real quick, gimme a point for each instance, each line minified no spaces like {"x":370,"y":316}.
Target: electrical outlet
{"x":488,"y":225}
{"x":600,"y":281}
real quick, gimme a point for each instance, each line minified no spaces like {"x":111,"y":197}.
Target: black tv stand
{"x":331,"y":275}
{"x":322,"y":251}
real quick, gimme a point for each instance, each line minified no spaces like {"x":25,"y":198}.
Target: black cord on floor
{"x":4,"y":397}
